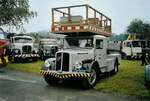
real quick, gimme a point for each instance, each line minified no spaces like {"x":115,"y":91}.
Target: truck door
{"x":100,"y":52}
{"x":127,"y":48}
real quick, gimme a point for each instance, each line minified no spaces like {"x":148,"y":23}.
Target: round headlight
{"x":16,"y":51}
{"x":47,"y":63}
{"x":77,"y":65}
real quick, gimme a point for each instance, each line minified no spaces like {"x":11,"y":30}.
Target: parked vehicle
{"x":3,"y":54}
{"x":133,"y":48}
{"x":147,"y":76}
{"x":84,"y":55}
{"x":47,"y":48}
{"x":22,"y":47}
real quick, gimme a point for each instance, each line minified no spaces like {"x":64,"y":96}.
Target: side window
{"x":99,"y":44}
{"x":128,"y":44}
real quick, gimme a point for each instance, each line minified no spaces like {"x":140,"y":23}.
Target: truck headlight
{"x":47,"y":64}
{"x":16,"y":51}
{"x":35,"y":51}
{"x":50,"y":63}
{"x":77,"y":65}
{"x":80,"y":67}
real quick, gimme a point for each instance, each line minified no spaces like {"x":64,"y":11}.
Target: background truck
{"x":84,"y":55}
{"x":22,"y":48}
{"x":133,"y":48}
{"x":3,"y":52}
{"x":47,"y":48}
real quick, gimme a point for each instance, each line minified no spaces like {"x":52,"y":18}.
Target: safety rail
{"x":99,"y":24}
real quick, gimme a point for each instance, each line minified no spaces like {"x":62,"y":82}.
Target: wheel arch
{"x":95,"y":65}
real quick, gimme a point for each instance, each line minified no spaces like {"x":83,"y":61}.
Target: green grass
{"x":27,"y":67}
{"x":129,"y":80}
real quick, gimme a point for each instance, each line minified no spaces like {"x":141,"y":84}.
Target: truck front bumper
{"x":26,"y":56}
{"x":64,"y":75}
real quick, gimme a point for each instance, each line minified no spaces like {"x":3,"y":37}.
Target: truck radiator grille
{"x":62,"y":61}
{"x":26,"y":49}
{"x":58,"y":61}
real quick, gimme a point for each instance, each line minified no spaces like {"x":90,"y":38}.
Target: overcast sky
{"x":120,"y":11}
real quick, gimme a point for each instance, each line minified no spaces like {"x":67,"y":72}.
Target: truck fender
{"x":95,"y":65}
{"x":91,"y":64}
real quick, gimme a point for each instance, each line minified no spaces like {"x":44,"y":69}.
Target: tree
{"x":140,"y":28}
{"x":118,"y":37}
{"x":15,"y":13}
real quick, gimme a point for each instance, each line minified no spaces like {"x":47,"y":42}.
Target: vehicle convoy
{"x":3,"y":43}
{"x":47,"y":48}
{"x":132,"y":48}
{"x":22,"y":47}
{"x":84,"y":55}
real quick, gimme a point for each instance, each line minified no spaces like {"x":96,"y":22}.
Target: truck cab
{"x":82,"y":57}
{"x":47,"y":48}
{"x":22,"y":47}
{"x":133,"y":48}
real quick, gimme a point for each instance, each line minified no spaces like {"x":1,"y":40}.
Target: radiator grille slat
{"x":65,"y":66}
{"x":26,"y":49}
{"x":58,"y":61}
{"x":62,"y":61}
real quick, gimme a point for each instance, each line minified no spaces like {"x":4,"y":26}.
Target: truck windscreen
{"x":23,"y":40}
{"x":136,"y":44}
{"x":80,"y":42}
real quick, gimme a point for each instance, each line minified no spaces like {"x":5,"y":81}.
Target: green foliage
{"x":140,"y":28}
{"x":15,"y":12}
{"x":120,"y":37}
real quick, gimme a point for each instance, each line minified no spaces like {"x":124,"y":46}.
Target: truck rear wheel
{"x":50,"y":80}
{"x":91,"y":81}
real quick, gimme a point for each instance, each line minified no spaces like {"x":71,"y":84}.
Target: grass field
{"x":27,"y":67}
{"x":129,"y":80}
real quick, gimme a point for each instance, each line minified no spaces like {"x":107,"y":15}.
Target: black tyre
{"x":116,"y":69}
{"x":91,"y":81}
{"x":50,"y":80}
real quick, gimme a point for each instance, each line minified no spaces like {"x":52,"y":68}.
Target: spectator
{"x":144,"y":62}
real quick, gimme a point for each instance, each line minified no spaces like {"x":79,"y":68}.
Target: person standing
{"x":144,"y":62}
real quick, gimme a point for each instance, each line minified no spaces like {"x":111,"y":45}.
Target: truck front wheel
{"x":50,"y":80}
{"x":91,"y":81}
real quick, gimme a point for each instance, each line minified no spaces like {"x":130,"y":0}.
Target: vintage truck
{"x":3,"y":54}
{"x":47,"y":48}
{"x":133,"y":48}
{"x":22,"y":48}
{"x":85,"y":53}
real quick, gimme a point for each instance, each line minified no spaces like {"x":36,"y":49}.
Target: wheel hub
{"x":93,"y":77}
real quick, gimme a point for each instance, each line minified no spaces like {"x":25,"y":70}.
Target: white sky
{"x":120,"y":11}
